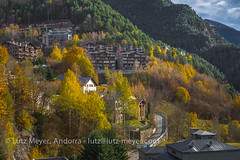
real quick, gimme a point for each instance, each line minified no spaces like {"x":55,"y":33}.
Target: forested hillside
{"x":230,"y":34}
{"x":34,"y":103}
{"x":93,"y":16}
{"x":179,"y":26}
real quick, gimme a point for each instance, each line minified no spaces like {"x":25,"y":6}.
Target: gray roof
{"x":60,"y":77}
{"x":203,"y":133}
{"x":53,"y":158}
{"x":201,"y":145}
{"x":21,"y":44}
{"x":165,"y":156}
{"x":140,"y":100}
{"x":84,"y":80}
{"x":153,"y":150}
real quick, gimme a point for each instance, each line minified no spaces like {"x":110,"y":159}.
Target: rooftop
{"x":20,"y":44}
{"x":140,"y":100}
{"x":201,"y":145}
{"x":153,"y":150}
{"x":82,"y":80}
{"x":165,"y":156}
{"x":203,"y":133}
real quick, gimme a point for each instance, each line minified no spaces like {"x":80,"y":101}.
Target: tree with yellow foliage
{"x":70,"y":96}
{"x":3,"y":55}
{"x":64,"y":52}
{"x":236,"y":107}
{"x":24,"y":93}
{"x":35,"y":153}
{"x":193,"y":119}
{"x":76,"y":38}
{"x":86,"y":67}
{"x":73,"y":55}
{"x":183,"y":95}
{"x":87,"y":109}
{"x":94,"y":115}
{"x":6,"y":121}
{"x":151,"y":52}
{"x":84,"y":36}
{"x":56,"y":54}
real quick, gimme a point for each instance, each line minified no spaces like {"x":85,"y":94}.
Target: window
{"x":174,"y":152}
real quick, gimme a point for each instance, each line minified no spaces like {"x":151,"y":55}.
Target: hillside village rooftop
{"x":200,"y":146}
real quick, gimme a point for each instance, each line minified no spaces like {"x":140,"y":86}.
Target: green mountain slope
{"x":96,"y":16}
{"x":230,"y":34}
{"x":179,"y":26}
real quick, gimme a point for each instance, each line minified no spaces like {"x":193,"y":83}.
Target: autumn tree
{"x":86,"y":67}
{"x":56,"y":54}
{"x":3,"y":55}
{"x":25,"y":94}
{"x":235,"y":107}
{"x":70,"y":95}
{"x":35,"y":153}
{"x":183,"y":95}
{"x":73,"y":55}
{"x":139,"y":90}
{"x":151,"y":52}
{"x":78,"y":61}
{"x":120,"y":89}
{"x":193,"y":119}
{"x":86,"y":109}
{"x":76,"y":38}
{"x":64,"y":52}
{"x":6,"y":121}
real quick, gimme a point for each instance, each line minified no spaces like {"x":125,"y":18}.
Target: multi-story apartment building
{"x":56,"y":36}
{"x":22,"y":50}
{"x":102,"y":57}
{"x":132,"y":59}
{"x":119,"y":59}
{"x":60,"y":25}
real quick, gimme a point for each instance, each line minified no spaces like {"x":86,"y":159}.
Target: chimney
{"x":192,"y":130}
{"x":118,"y":52}
{"x":210,"y":143}
{"x":192,"y":143}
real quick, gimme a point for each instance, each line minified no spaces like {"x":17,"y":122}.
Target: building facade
{"x":22,"y":50}
{"x":122,"y":58}
{"x":88,"y":84}
{"x":202,"y":145}
{"x":142,"y":109}
{"x":132,"y":59}
{"x":56,"y":36}
{"x":102,"y":57}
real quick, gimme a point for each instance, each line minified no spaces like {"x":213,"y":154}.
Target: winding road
{"x":151,"y":142}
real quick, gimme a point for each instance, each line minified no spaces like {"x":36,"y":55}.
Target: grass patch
{"x":167,"y":108}
{"x":234,"y":144}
